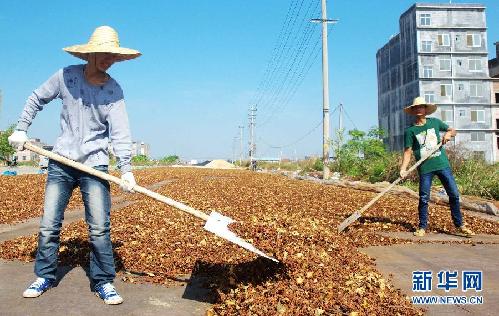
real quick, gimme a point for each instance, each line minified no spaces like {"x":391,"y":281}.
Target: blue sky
{"x":201,"y":67}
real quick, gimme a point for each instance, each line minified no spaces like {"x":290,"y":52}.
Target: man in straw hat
{"x":421,"y":138}
{"x":93,"y":113}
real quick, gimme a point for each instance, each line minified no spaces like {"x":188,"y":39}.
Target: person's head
{"x":103,"y":49}
{"x":102,"y":61}
{"x":420,"y":108}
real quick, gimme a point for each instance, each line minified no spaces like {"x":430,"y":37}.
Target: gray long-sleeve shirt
{"x":91,"y":116}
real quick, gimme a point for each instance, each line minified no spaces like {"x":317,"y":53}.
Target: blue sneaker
{"x":108,"y":293}
{"x":38,"y":287}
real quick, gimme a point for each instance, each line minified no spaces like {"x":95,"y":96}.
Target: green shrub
{"x":318,"y":165}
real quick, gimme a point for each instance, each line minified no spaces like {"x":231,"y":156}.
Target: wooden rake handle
{"x":116,"y":180}
{"x":352,"y":218}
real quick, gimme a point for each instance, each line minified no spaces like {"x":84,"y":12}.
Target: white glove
{"x":403,"y":174}
{"x":127,"y":182}
{"x":17,"y":139}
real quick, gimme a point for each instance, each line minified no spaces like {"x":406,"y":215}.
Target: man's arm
{"x":41,"y":96}
{"x":119,"y":134}
{"x":406,"y":158}
{"x":451,"y":132}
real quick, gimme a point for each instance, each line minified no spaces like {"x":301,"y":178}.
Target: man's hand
{"x":403,"y":173}
{"x":17,"y":139}
{"x":447,"y":137}
{"x":127,"y":182}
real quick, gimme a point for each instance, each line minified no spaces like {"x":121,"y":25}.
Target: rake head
{"x":218,"y":225}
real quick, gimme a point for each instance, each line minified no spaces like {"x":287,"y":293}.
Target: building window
{"x":429,"y":97}
{"x":497,"y":97}
{"x":475,"y":64}
{"x":477,"y":136}
{"x":427,"y":71}
{"x":462,"y":113}
{"x":478,"y":116}
{"x":443,"y":39}
{"x":460,"y":86}
{"x":425,"y":19}
{"x":445,"y":64}
{"x":445,"y":90}
{"x":426,"y":46}
{"x":446,"y":115}
{"x":476,"y":90}
{"x":474,"y":40}
{"x":23,"y":158}
{"x":479,"y":155}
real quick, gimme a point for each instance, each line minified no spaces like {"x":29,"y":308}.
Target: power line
{"x":292,"y":61}
{"x":294,"y":50}
{"x":299,"y":139}
{"x":312,"y":57}
{"x":277,"y":47}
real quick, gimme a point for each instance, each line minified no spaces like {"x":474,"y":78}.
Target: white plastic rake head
{"x":218,"y":225}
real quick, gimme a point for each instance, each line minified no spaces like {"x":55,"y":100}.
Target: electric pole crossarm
{"x":333,"y":21}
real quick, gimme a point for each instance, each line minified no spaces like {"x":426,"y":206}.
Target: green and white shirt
{"x":422,"y":139}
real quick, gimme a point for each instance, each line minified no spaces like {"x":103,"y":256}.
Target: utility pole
{"x":1,"y":99}
{"x":325,"y":91}
{"x":340,"y":123}
{"x":252,"y":145}
{"x":241,"y":149}
{"x":234,"y":140}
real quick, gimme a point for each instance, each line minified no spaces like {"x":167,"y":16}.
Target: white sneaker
{"x":38,"y":287}
{"x":108,"y":293}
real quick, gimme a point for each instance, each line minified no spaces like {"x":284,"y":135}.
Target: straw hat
{"x":430,"y":108}
{"x":103,"y":40}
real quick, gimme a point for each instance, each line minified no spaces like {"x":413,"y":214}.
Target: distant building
{"x":494,"y":74}
{"x":440,"y":54}
{"x":27,"y":155}
{"x":267,"y":159}
{"x":494,"y":64}
{"x":138,"y":148}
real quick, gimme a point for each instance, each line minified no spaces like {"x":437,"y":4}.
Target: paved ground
{"x":400,"y":261}
{"x":21,"y":170}
{"x":72,"y":296}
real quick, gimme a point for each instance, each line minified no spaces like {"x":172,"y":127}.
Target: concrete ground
{"x":21,"y":169}
{"x":399,"y":261}
{"x":72,"y":296}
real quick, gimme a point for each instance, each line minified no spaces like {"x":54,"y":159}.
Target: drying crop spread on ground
{"x":321,"y":272}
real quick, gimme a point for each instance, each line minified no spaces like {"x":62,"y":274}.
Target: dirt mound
{"x":220,"y":164}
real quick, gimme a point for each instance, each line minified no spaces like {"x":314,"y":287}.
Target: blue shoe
{"x":108,"y":293}
{"x":38,"y":287}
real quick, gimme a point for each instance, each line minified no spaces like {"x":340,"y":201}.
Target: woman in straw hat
{"x":421,"y":138}
{"x":93,"y":113}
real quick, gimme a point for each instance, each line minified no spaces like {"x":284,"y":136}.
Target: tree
{"x":168,"y":160}
{"x":140,"y":159}
{"x":6,"y":151}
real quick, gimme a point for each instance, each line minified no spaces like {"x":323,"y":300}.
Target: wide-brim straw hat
{"x":430,"y":108}
{"x":103,"y":40}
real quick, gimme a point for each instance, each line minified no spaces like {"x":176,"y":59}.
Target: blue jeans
{"x":61,"y":181}
{"x":445,"y":176}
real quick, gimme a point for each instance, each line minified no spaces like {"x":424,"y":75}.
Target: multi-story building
{"x":494,"y":74}
{"x":441,"y":54}
{"x":140,"y":148}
